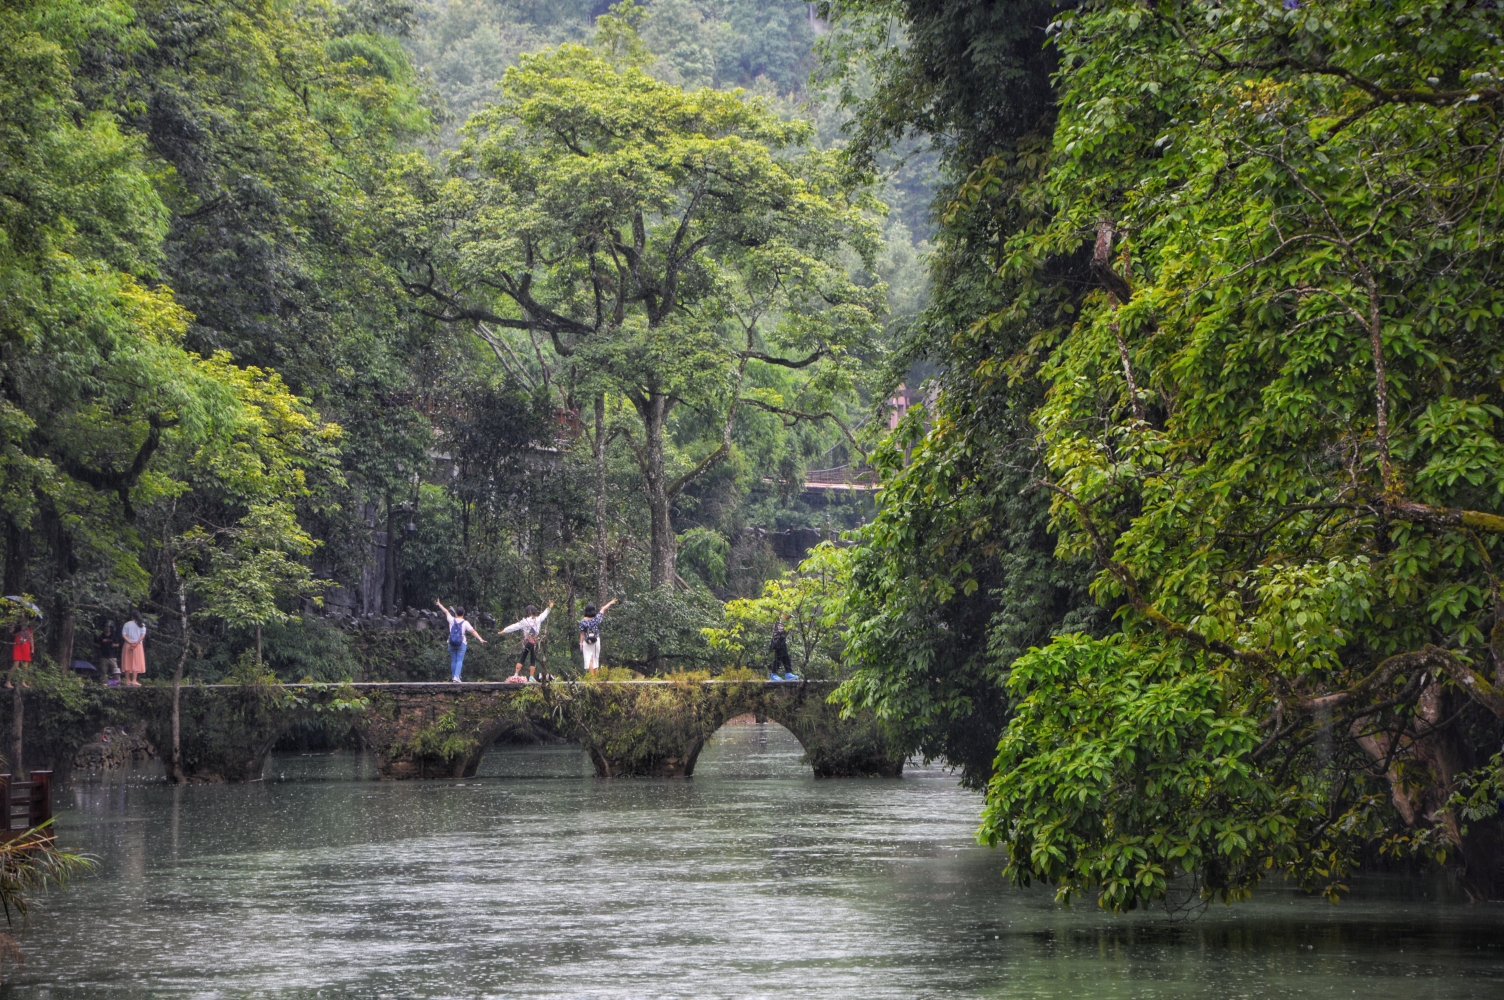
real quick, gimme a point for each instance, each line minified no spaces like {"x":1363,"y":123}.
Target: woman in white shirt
{"x":133,"y":653}
{"x":529,"y":625}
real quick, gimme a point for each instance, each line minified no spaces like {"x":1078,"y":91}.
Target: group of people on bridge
{"x":531,"y":627}
{"x":589,"y":627}
{"x":123,"y":656}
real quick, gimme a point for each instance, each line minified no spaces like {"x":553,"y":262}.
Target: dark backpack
{"x":457,"y":631}
{"x":591,"y":633}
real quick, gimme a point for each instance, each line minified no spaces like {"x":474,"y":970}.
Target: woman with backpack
{"x":590,"y":635}
{"x":457,"y":645}
{"x":529,"y":625}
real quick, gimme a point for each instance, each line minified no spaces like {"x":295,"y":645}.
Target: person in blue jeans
{"x":457,"y":645}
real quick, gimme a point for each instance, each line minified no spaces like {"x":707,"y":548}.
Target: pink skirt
{"x":133,"y":658}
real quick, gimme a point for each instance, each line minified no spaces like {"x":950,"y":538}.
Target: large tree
{"x":659,"y":242}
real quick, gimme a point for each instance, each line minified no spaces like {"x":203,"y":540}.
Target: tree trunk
{"x":663,"y":548}
{"x":17,"y":726}
{"x":258,"y":644}
{"x":177,"y":687}
{"x":389,"y":571}
{"x":15,"y":558}
{"x":66,"y":629}
{"x":602,"y":588}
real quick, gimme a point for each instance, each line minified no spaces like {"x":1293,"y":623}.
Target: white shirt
{"x":527,"y":626}
{"x":133,"y":632}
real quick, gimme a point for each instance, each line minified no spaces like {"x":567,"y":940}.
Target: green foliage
{"x":813,"y":601}
{"x":704,"y":553}
{"x":670,"y":246}
{"x":29,"y":864}
{"x":1304,"y":303}
{"x":1118,"y":775}
{"x":956,"y":576}
{"x":308,"y":648}
{"x":659,"y":630}
{"x":468,"y":44}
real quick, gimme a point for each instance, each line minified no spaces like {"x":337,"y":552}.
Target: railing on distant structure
{"x":842,"y":477}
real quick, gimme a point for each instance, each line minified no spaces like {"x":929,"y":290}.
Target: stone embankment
{"x":113,"y":747}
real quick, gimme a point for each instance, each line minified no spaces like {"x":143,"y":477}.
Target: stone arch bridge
{"x":439,"y":730}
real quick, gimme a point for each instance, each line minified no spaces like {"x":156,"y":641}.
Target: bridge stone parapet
{"x":439,"y":730}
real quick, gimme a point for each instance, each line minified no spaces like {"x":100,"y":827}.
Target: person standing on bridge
{"x":590,"y":635}
{"x":779,"y":644}
{"x":457,"y":645}
{"x":529,"y":625}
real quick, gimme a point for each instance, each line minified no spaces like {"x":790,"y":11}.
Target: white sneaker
{"x":456,"y":680}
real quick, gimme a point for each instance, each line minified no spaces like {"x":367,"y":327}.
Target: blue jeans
{"x":456,"y":659}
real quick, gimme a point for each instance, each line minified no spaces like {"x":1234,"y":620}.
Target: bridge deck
{"x":508,"y":686}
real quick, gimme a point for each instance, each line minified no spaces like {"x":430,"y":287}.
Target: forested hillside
{"x":315,"y":311}
{"x":300,"y":334}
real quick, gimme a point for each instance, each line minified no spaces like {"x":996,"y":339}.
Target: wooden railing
{"x":28,"y":803}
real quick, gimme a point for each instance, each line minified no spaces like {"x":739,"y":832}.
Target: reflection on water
{"x":751,"y":880}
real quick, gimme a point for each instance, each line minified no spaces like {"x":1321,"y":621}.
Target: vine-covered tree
{"x":1274,"y":429}
{"x":956,"y":576}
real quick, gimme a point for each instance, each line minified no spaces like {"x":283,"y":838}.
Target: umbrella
{"x":25,"y":604}
{"x":82,"y":665}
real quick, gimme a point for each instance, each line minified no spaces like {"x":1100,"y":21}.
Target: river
{"x":753,"y":879}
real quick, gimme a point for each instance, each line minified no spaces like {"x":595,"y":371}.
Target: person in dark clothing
{"x":108,"y":646}
{"x":780,"y":647}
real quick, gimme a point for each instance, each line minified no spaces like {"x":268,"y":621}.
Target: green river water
{"x":752,"y":879}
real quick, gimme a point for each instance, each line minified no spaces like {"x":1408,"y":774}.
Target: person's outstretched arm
{"x":447,"y":613}
{"x":471,"y":629}
{"x":512,"y":627}
{"x":545,"y":612}
{"x":607,"y":606}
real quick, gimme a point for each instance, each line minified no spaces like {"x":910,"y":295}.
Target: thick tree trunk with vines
{"x":662,"y":546}
{"x":389,"y":561}
{"x":602,"y":585}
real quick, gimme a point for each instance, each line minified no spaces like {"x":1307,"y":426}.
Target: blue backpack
{"x":457,"y":631}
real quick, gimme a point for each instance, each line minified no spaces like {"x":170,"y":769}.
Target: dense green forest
{"x":1184,"y":553}
{"x":331,"y":339}
{"x":1205,"y":518}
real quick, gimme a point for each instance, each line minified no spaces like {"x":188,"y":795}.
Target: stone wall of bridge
{"x":434,"y":730}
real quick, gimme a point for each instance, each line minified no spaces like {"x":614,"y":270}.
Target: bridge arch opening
{"x":752,"y":746}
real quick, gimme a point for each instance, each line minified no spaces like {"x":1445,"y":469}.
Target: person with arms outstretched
{"x":457,"y":644}
{"x":590,"y":635}
{"x":529,"y":625}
